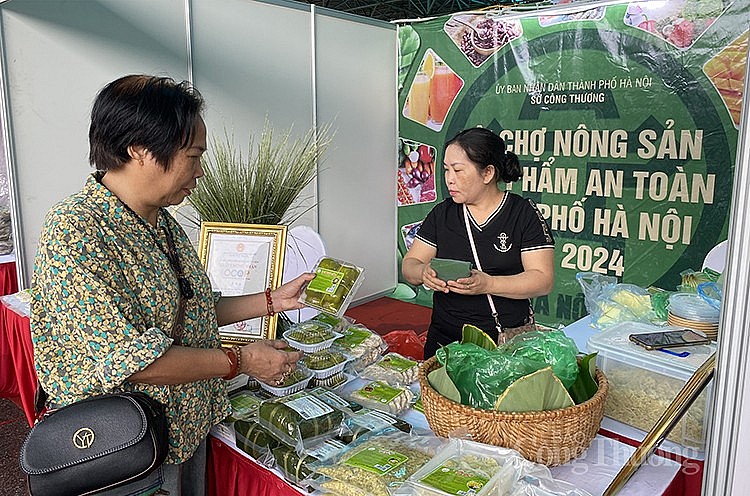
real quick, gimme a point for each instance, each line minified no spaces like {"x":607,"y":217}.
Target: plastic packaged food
{"x":333,"y":287}
{"x":462,"y":467}
{"x":381,"y":396}
{"x":362,"y":345}
{"x":376,"y":464}
{"x":333,"y":399}
{"x":295,"y":467}
{"x":296,"y":381}
{"x":325,"y":363}
{"x":310,"y":336}
{"x":244,"y":406}
{"x":299,"y":417}
{"x":367,"y":420}
{"x":393,"y":369}
{"x":643,"y":383}
{"x":335,"y":381}
{"x":254,"y":439}
{"x":465,"y":467}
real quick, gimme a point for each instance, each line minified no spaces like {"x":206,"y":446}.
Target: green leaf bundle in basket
{"x":532,"y":394}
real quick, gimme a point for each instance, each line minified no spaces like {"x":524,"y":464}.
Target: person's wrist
{"x":272,"y":303}
{"x":231,"y":356}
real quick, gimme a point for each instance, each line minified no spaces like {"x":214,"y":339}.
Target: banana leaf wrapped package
{"x":295,"y":467}
{"x":254,"y":440}
{"x":299,"y":419}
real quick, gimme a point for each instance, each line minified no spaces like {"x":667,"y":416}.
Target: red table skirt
{"x":8,"y":279}
{"x":17,"y":374}
{"x":229,"y":473}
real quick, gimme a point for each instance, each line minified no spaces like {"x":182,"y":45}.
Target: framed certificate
{"x":243,"y":259}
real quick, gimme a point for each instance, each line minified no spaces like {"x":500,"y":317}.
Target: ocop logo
{"x":83,"y":438}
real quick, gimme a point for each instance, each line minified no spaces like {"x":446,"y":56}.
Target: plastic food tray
{"x":291,"y":389}
{"x":331,"y":382}
{"x":328,"y":372}
{"x":310,"y":347}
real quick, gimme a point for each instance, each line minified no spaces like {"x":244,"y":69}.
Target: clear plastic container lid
{"x":310,"y":336}
{"x":333,"y":287}
{"x":614,"y":342}
{"x":692,"y":306}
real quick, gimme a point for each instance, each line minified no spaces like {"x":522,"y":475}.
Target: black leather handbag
{"x":95,"y":444}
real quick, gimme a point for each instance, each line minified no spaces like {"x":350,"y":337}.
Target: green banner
{"x":625,"y":118}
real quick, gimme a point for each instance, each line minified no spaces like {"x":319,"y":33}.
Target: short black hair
{"x":485,"y":148}
{"x":156,"y":113}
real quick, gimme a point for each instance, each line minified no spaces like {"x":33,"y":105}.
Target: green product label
{"x":454,"y":481}
{"x":396,"y":362}
{"x":379,"y":391}
{"x":325,"y":281}
{"x":353,"y":337}
{"x":377,"y":460}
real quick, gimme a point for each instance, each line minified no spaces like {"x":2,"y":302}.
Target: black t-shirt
{"x":516,"y":226}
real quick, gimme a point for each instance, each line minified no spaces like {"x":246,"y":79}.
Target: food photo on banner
{"x":624,"y":116}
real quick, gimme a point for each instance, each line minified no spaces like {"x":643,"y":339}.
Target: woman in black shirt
{"x":513,"y":243}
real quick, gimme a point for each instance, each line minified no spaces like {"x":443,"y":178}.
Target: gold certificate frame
{"x":243,"y":259}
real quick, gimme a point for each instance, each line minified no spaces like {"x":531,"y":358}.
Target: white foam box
{"x":643,"y":383}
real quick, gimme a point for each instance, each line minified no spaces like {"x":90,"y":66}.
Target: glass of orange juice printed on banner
{"x":442,"y":93}
{"x":419,"y":98}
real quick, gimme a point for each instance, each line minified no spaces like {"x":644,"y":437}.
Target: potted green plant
{"x":261,"y":184}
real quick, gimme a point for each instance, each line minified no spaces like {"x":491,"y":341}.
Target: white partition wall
{"x":248,"y":68}
{"x":250,"y":60}
{"x":355,"y":84}
{"x":56,"y":56}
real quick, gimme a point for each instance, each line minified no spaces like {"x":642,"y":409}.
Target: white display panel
{"x":57,"y":55}
{"x":356,"y":89}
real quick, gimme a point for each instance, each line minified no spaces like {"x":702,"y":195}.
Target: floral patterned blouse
{"x":105,"y":301}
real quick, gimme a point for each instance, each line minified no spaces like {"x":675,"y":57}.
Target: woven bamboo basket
{"x":551,"y":437}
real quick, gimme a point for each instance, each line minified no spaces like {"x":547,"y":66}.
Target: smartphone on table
{"x":669,"y":339}
{"x":449,"y":270}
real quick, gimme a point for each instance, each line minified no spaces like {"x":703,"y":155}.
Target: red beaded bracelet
{"x":269,"y":303}
{"x":233,"y":363}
